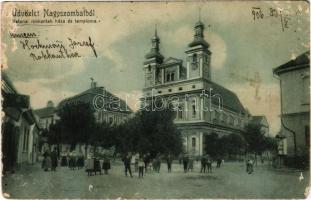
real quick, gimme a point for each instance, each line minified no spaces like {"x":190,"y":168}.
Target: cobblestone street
{"x":230,"y":181}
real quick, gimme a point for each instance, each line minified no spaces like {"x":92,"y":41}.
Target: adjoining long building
{"x":107,"y":107}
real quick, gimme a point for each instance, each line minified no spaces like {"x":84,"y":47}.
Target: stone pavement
{"x":230,"y":181}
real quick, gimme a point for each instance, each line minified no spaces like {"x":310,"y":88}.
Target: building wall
{"x":299,"y":123}
{"x":113,"y":118}
{"x":295,"y":91}
{"x":296,"y":108}
{"x":33,"y":144}
{"x":195,"y":109}
{"x":23,"y":144}
{"x":46,"y":122}
{"x":193,"y":141}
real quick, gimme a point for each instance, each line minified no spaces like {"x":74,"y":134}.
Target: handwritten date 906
{"x":258,"y":14}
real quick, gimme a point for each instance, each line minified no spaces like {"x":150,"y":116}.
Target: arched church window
{"x":194,"y":58}
{"x":193,"y":142}
{"x":172,"y":76}
{"x":179,"y":111}
{"x":194,"y":63}
{"x":194,"y":112}
{"x":167,"y":77}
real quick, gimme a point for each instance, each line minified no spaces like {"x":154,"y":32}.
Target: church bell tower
{"x":198,"y":55}
{"x":153,"y":60}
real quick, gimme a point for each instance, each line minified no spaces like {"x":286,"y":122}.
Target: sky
{"x":244,"y":50}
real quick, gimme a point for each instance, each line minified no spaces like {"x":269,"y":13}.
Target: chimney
{"x":93,"y":84}
{"x":50,"y":104}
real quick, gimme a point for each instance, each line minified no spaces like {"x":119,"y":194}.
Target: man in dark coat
{"x":209,"y":164}
{"x":146,"y":160}
{"x":185,"y":162}
{"x":203,"y":164}
{"x":127,"y":164}
{"x":54,"y":159}
{"x":106,"y":164}
{"x":219,"y":162}
{"x":169,"y":160}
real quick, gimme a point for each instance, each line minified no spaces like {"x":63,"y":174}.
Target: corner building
{"x":202,"y":106}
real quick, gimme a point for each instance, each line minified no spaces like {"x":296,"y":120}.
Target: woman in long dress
{"x":106,"y":164}
{"x":47,"y":162}
{"x":89,"y":165}
{"x":190,"y":165}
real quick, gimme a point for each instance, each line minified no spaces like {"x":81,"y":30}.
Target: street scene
{"x":230,"y":181}
{"x":154,"y":100}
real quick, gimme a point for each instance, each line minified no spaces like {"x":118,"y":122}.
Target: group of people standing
{"x":50,"y":160}
{"x":94,"y":165}
{"x":140,"y":163}
{"x":72,"y":160}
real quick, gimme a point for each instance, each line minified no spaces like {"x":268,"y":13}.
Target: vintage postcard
{"x":155,"y":100}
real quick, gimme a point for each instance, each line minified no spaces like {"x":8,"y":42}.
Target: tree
{"x":77,"y":124}
{"x":226,"y":145}
{"x":232,"y":144}
{"x":150,"y":131}
{"x":257,"y":141}
{"x":54,"y":135}
{"x":254,"y":138}
{"x":212,"y":143}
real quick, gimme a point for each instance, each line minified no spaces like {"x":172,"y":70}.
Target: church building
{"x":202,"y":106}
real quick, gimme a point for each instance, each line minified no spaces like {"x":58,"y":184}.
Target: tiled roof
{"x":89,"y":95}
{"x":45,"y":112}
{"x":230,"y":99}
{"x":301,"y":61}
{"x":8,"y":82}
{"x":199,"y":41}
{"x":257,"y":119}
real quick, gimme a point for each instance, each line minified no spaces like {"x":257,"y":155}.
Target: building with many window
{"x":294,"y":79}
{"x":202,"y":106}
{"x":107,"y":107}
{"x":47,"y":115}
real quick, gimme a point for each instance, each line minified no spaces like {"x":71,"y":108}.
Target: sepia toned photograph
{"x":155,"y":100}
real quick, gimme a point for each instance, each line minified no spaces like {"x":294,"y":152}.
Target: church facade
{"x":202,"y":106}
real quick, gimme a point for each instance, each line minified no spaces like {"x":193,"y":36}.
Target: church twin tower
{"x":160,"y":71}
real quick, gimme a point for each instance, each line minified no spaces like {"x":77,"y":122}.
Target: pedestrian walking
{"x":89,"y":165}
{"x":209,"y":164}
{"x":80,"y":161}
{"x":47,"y":163}
{"x":127,"y":164}
{"x":203,"y":163}
{"x":72,"y":160}
{"x":97,"y":167}
{"x":190,"y":164}
{"x":158,"y":163}
{"x":63,"y":161}
{"x":141,"y":166}
{"x":54,"y":160}
{"x":250,"y":166}
{"x":146,"y":161}
{"x":106,"y":164}
{"x":137,"y":156}
{"x":218,"y":162}
{"x":169,"y":161}
{"x":185,"y":162}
